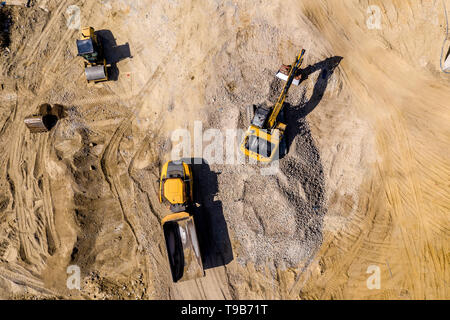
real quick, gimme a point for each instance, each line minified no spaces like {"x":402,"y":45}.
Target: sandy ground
{"x":365,"y":182}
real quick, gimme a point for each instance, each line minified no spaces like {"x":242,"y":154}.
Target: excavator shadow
{"x":295,"y":115}
{"x":212,"y":230}
{"x":307,"y":159}
{"x":113,"y":53}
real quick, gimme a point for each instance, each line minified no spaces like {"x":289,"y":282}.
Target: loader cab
{"x":90,"y":48}
{"x":176,"y":185}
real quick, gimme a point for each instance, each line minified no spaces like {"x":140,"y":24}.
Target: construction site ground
{"x":365,"y":183}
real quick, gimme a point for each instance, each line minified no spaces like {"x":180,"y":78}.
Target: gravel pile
{"x":274,"y":218}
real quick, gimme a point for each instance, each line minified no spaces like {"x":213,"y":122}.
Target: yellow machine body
{"x":176,"y":185}
{"x":174,"y":191}
{"x":90,"y":48}
{"x":262,"y":144}
{"x":262,"y":139}
{"x":88,"y":33}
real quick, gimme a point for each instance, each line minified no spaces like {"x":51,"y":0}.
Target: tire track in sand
{"x":110,"y":171}
{"x":108,"y":162}
{"x":48,"y":30}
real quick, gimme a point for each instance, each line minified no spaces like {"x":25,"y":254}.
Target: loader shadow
{"x":113,"y":53}
{"x":212,"y":230}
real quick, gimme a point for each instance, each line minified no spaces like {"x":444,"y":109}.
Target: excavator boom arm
{"x":280,"y":102}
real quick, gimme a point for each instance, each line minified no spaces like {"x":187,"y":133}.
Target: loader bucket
{"x":96,"y":73}
{"x":182,"y":247}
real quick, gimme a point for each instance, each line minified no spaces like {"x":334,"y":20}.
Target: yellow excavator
{"x":91,"y":50}
{"x":176,"y":189}
{"x":262,"y":139}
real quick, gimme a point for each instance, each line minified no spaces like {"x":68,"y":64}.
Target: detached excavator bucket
{"x":96,"y":73}
{"x":40,"y":123}
{"x":182,"y":247}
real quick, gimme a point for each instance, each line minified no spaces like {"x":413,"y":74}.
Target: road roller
{"x":90,"y":48}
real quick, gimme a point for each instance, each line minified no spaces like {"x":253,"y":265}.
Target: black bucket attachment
{"x":182,"y":247}
{"x":45,"y":120}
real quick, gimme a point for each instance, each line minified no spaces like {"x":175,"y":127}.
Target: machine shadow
{"x":56,"y":110}
{"x":307,"y":161}
{"x":326,"y":68}
{"x":294,"y":115}
{"x":212,"y":230}
{"x":5,"y":26}
{"x":113,"y":53}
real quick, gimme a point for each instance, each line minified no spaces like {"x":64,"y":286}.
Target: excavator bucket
{"x":182,"y":247}
{"x":96,"y":73}
{"x":285,"y":71}
{"x":283,"y":74}
{"x":45,"y":120}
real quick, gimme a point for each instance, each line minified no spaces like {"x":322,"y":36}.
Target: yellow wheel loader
{"x":262,"y":139}
{"x":183,"y":250}
{"x":91,"y":50}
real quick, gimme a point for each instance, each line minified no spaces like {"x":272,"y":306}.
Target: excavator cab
{"x":262,"y":139}
{"x":261,"y":145}
{"x":91,"y":50}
